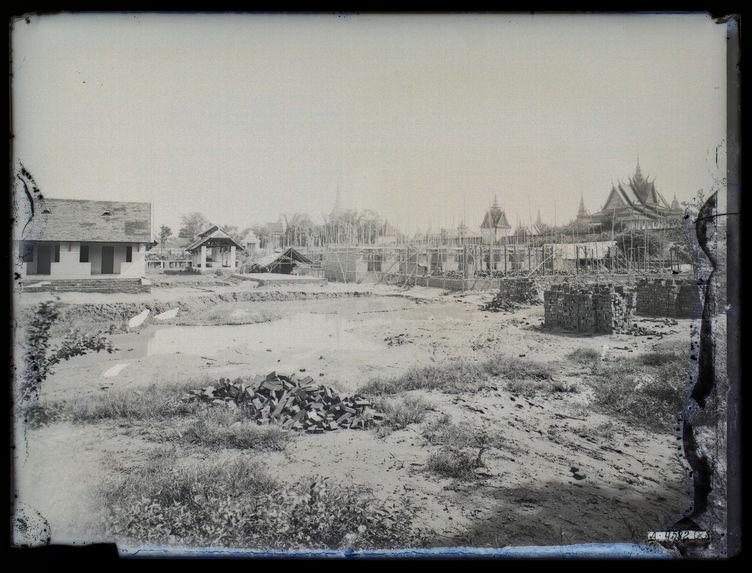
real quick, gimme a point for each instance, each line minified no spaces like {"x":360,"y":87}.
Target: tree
{"x":193,"y":224}
{"x":299,"y":229}
{"x":262,"y":234}
{"x":164,"y":233}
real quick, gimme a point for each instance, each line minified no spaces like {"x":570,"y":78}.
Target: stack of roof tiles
{"x":604,"y":309}
{"x":294,"y":404}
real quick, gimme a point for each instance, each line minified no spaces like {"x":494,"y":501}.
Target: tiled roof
{"x":495,"y":218}
{"x":273,"y":259}
{"x":213,"y":236}
{"x":95,"y":221}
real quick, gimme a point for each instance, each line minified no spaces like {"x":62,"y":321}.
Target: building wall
{"x":70,"y":266}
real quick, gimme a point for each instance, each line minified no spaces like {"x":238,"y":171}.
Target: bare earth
{"x":626,"y":480}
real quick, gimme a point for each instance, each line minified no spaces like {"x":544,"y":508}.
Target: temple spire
{"x":581,"y":210}
{"x":638,"y":171}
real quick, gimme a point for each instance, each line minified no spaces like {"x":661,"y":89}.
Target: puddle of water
{"x":303,"y":332}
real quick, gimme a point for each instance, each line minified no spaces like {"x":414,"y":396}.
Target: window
{"x":128,"y":254}
{"x":374,"y":262}
{"x":57,"y":253}
{"x":83,"y":256}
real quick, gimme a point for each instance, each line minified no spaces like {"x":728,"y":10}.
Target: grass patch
{"x":402,"y":411}
{"x":452,"y":462}
{"x":230,"y":428}
{"x":646,"y":389}
{"x":584,"y":356}
{"x":459,"y":375}
{"x":235,"y":503}
{"x":530,"y":388}
{"x":515,"y":368}
{"x":156,"y":401}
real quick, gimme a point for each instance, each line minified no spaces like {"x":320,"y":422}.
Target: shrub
{"x":401,"y":412}
{"x":40,"y":359}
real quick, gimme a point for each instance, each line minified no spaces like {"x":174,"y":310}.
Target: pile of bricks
{"x":293,"y":404}
{"x":513,"y":292}
{"x":667,"y":297}
{"x":589,"y":308}
{"x":518,"y":290}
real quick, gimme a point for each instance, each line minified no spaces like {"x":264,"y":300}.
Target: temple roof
{"x":495,"y":218}
{"x":638,"y":195}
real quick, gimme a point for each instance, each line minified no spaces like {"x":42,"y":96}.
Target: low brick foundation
{"x":603,"y":309}
{"x":87,"y":285}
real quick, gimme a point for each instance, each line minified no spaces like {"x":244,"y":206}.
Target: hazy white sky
{"x":246,"y":117}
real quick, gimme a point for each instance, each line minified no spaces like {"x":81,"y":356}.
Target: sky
{"x":423,"y":118}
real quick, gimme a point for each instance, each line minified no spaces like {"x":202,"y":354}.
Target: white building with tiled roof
{"x":72,"y":238}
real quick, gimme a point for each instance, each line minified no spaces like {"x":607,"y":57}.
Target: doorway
{"x":44,"y":258}
{"x":108,"y":260}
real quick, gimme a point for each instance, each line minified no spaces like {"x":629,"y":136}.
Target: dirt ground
{"x":566,"y":474}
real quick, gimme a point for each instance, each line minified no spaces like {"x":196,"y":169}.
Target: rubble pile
{"x":398,"y":339}
{"x":589,"y":308}
{"x":667,"y":297}
{"x":512,"y":293}
{"x":293,"y":404}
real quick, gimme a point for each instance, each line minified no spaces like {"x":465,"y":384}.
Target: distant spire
{"x":337,"y":211}
{"x":495,"y":204}
{"x":538,"y":221}
{"x":581,"y":211}
{"x":638,"y":172}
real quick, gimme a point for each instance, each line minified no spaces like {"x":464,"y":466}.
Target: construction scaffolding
{"x":481,"y":267}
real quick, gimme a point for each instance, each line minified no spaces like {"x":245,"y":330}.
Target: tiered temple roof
{"x":495,"y":218}
{"x":638,"y":197}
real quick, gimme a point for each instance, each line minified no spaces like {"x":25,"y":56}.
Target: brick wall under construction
{"x":603,"y":309}
{"x":668,"y":297}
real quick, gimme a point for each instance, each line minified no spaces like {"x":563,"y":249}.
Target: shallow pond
{"x":297,"y":333}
